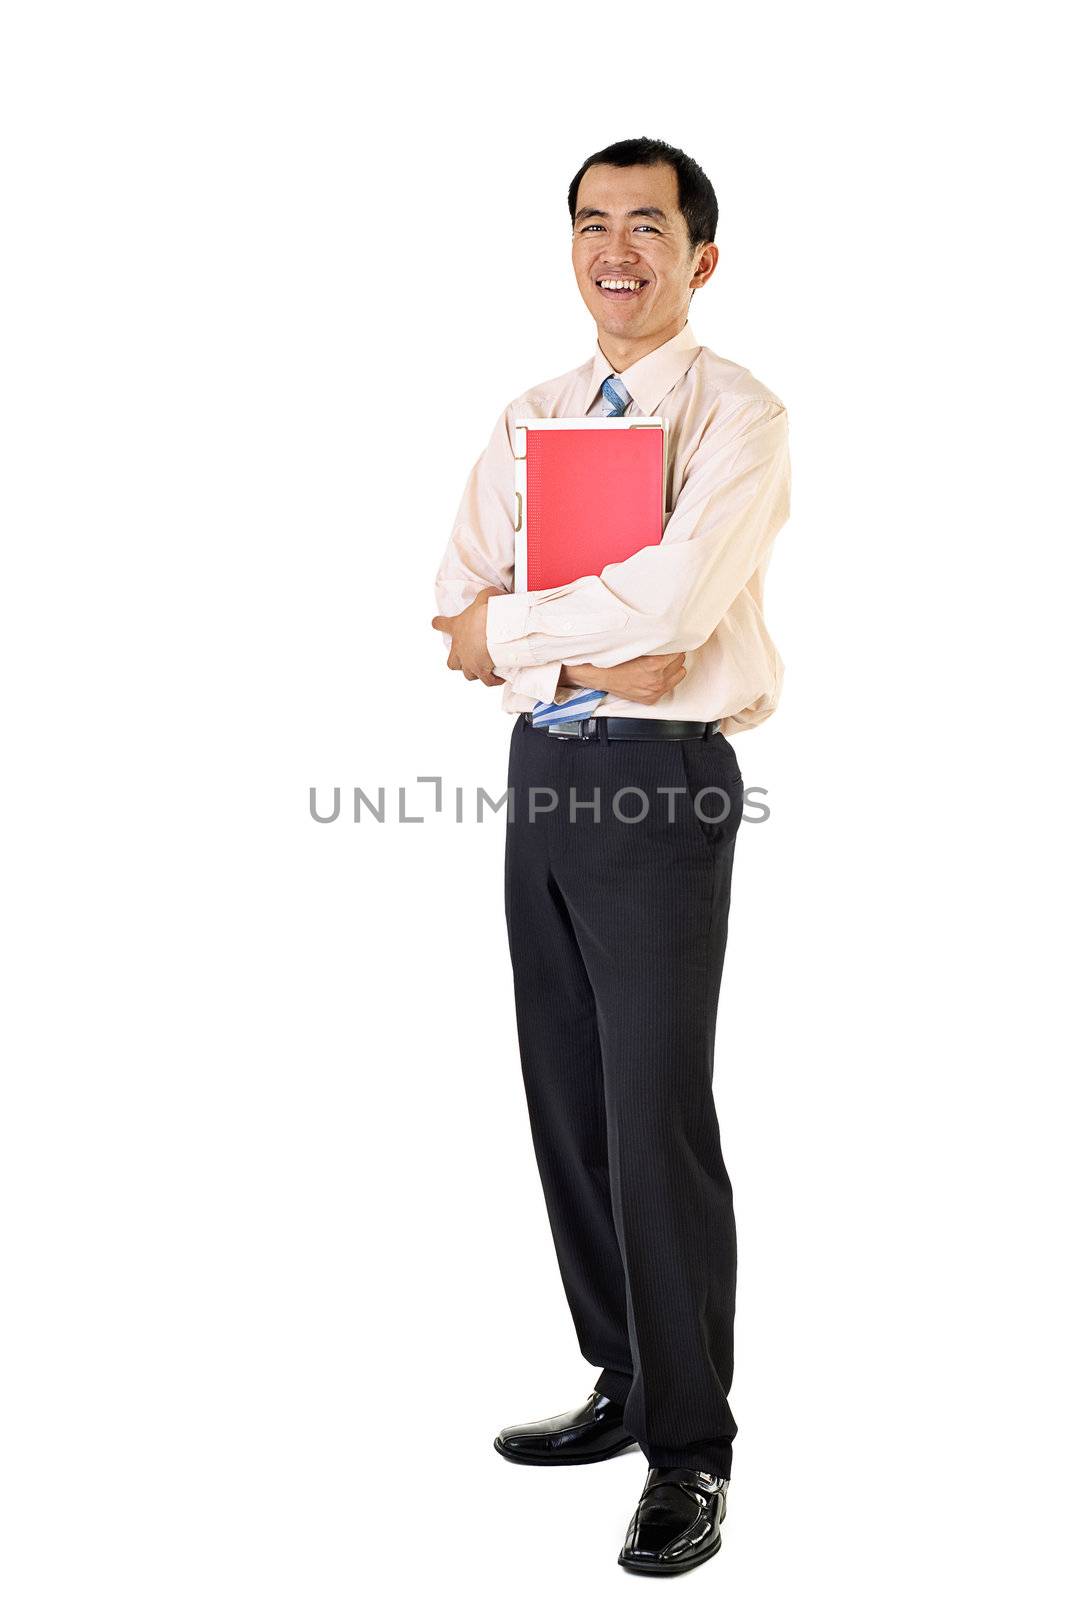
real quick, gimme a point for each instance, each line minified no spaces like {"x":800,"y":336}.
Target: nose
{"x":627,"y":258}
{"x":619,"y":246}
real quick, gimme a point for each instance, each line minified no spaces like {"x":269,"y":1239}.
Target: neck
{"x":623,"y":352}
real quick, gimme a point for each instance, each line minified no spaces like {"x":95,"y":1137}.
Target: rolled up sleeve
{"x":539,"y":683}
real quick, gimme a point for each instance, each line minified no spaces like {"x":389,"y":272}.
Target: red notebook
{"x":590,"y":491}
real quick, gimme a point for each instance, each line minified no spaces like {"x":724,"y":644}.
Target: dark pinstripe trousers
{"x":617,"y":903}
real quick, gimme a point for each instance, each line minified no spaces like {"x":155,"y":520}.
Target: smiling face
{"x":634,"y":265}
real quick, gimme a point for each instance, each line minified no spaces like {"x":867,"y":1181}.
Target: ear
{"x":705,"y":261}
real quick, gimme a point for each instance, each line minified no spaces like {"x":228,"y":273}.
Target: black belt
{"x":626,"y":728}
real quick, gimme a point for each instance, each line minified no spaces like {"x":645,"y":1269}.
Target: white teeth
{"x":618,"y":283}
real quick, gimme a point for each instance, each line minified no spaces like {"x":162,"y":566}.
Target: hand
{"x":645,"y":679}
{"x":468,"y":640}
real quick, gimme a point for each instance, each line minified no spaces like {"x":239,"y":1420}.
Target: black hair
{"x":695,"y":192}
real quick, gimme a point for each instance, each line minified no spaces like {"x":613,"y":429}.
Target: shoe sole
{"x":656,"y":1569}
{"x":562,"y":1461}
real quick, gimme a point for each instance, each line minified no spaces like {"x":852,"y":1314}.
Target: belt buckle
{"x":572,"y":730}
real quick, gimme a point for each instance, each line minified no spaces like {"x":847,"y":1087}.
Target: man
{"x":625,"y":685}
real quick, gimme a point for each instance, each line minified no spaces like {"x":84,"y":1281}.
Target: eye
{"x":590,"y":227}
{"x":645,"y":227}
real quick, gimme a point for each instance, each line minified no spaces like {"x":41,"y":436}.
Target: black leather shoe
{"x":677,"y":1524}
{"x":595,"y":1431}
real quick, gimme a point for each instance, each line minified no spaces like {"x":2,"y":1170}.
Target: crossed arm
{"x":626,"y":630}
{"x":646,"y":679}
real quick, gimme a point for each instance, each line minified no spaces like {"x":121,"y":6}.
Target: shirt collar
{"x":651,"y":378}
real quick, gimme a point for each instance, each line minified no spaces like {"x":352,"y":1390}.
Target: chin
{"x":622,"y":322}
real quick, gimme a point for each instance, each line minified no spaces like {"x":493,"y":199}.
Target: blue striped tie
{"x":612,"y":400}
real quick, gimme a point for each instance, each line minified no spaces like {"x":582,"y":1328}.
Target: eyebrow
{"x":641,"y":211}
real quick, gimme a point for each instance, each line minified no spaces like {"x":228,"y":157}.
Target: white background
{"x":275,"y":1256}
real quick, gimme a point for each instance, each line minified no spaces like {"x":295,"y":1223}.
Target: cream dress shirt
{"x":700,"y":590}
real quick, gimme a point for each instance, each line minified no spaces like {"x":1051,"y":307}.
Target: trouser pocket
{"x":715,"y":801}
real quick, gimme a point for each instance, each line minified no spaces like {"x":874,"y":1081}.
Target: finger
{"x":490,"y":679}
{"x":469,"y":676}
{"x":444,"y":624}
